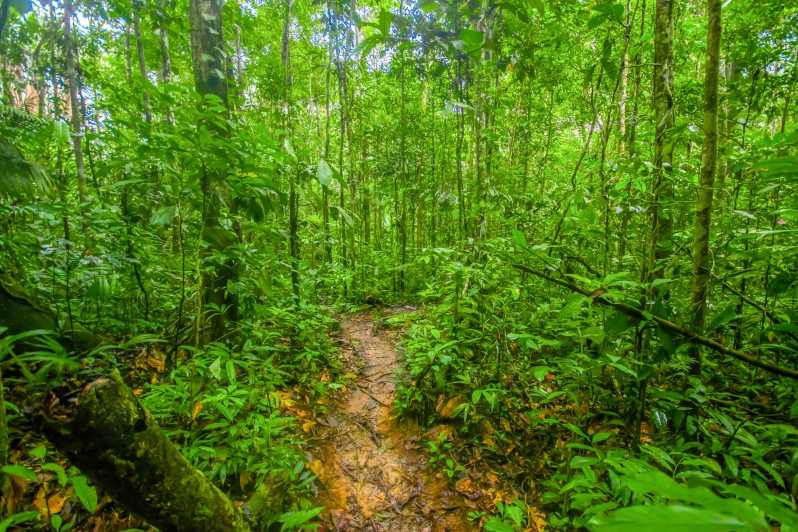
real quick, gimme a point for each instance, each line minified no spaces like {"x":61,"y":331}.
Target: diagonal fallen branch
{"x":666,"y":324}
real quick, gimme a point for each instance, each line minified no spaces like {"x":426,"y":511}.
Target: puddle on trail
{"x":373,"y":473}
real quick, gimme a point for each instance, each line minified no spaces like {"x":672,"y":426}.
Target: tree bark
{"x":141,"y":62}
{"x":662,"y":224}
{"x":118,"y":444}
{"x":293,"y":199}
{"x":703,"y":218}
{"x":207,"y":51}
{"x":76,"y":120}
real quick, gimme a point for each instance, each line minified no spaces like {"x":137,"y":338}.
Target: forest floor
{"x":373,"y":471}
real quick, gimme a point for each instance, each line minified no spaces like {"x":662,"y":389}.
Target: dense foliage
{"x":593,"y":203}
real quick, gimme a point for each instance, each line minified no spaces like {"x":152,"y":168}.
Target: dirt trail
{"x":373,"y":473}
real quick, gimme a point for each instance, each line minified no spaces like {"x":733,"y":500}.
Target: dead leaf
{"x":55,"y":503}
{"x":536,"y":518}
{"x":445,"y":408}
{"x":40,"y":501}
{"x":598,"y":292}
{"x":196,"y":410}
{"x":316,"y":467}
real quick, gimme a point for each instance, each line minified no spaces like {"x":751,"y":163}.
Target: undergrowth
{"x":546,"y":388}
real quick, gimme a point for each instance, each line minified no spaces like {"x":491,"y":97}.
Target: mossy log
{"x":117,"y":443}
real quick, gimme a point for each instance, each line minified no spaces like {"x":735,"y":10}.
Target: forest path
{"x":373,"y":473}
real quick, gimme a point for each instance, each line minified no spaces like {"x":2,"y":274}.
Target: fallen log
{"x":111,"y":437}
{"x":681,"y":330}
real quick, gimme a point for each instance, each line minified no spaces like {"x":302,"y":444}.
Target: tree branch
{"x":666,"y":324}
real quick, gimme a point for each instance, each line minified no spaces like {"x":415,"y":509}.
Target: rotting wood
{"x":118,"y":444}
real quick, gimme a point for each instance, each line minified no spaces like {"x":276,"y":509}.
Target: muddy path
{"x":373,"y":472}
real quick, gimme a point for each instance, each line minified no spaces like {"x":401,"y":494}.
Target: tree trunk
{"x":293,"y":207}
{"x":118,"y":444}
{"x":662,"y":224}
{"x":142,"y":64}
{"x":698,"y":292}
{"x":76,"y":120}
{"x":207,"y":52}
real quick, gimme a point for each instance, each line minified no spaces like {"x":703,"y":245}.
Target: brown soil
{"x":373,"y":472}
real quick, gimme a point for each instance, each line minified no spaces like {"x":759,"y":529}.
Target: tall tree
{"x":207,"y":53}
{"x":76,"y":120}
{"x":662,"y":223}
{"x":292,"y":168}
{"x":703,"y":215}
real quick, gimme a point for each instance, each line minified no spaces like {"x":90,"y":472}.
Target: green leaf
{"x":540,"y":372}
{"x":86,"y":493}
{"x":722,"y":318}
{"x":289,"y":149}
{"x":19,"y":471}
{"x":576,"y":430}
{"x":324,"y":173}
{"x":39,"y":452}
{"x":520,"y":239}
{"x":429,"y":7}
{"x":386,"y":18}
{"x":601,"y":436}
{"x":231,"y":372}
{"x":781,"y":166}
{"x":292,"y":520}
{"x":656,"y":518}
{"x":216,"y":369}
{"x":617,"y":323}
{"x":17,"y":519}
{"x":164,"y":215}
{"x":539,"y":5}
{"x":59,"y":472}
{"x":472,"y":40}
{"x":495,"y":524}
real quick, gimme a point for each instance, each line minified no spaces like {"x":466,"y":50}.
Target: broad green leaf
{"x":658,"y":518}
{"x":293,"y":520}
{"x":540,"y":372}
{"x":86,"y":493}
{"x":58,"y":470}
{"x":324,"y":173}
{"x":17,"y":519}
{"x":520,"y":239}
{"x":472,"y":39}
{"x":164,"y":215}
{"x":496,"y":524}
{"x":19,"y":471}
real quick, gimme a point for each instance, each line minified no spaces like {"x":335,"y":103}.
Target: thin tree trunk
{"x":662,"y":224}
{"x":76,"y":120}
{"x":293,"y":224}
{"x":145,"y":97}
{"x":703,"y":219}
